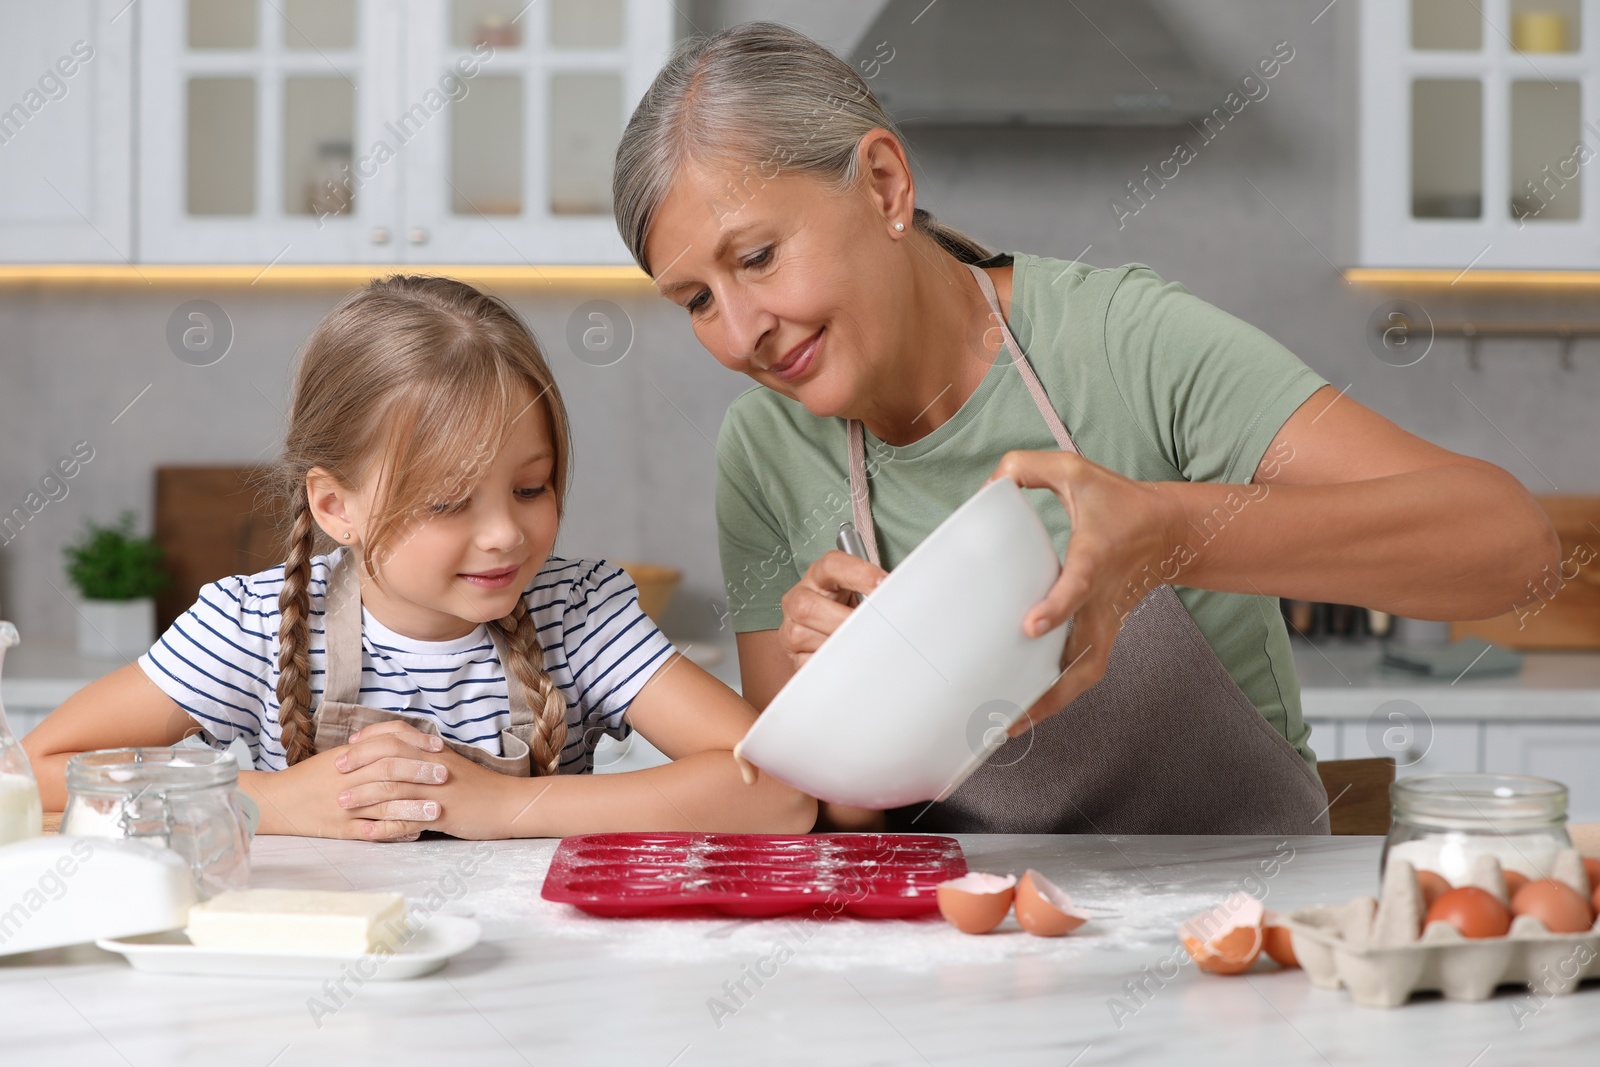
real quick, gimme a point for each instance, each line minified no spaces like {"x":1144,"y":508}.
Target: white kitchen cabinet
{"x":242,"y":104}
{"x":519,"y":169}
{"x":350,"y":131}
{"x":65,"y":128}
{"x":1416,"y":747}
{"x":1567,"y":752}
{"x":1476,"y":133}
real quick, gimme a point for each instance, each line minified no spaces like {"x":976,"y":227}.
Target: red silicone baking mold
{"x":872,"y":875}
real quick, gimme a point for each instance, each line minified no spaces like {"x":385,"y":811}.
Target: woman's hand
{"x":1120,"y":527}
{"x":823,"y":599}
{"x":375,"y":788}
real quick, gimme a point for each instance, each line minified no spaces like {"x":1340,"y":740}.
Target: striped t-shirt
{"x":219,"y":661}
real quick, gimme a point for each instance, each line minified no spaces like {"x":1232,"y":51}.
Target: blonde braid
{"x":549,"y":707}
{"x":294,"y":637}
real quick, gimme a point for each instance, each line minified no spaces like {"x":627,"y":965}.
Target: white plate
{"x":915,"y":689}
{"x":439,"y":938}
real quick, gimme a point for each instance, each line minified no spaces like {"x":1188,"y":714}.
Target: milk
{"x":20,"y":813}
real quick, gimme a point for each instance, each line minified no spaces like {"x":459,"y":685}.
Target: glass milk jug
{"x":20,"y":813}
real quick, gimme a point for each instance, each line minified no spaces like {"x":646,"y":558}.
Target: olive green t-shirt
{"x":1150,"y":381}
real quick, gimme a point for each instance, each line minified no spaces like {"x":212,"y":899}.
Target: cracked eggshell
{"x":1277,"y":941}
{"x":1227,"y":939}
{"x":1043,"y":909}
{"x":976,"y":903}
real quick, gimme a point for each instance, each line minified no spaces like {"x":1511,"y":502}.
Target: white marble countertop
{"x":1343,"y":680}
{"x":549,"y":985}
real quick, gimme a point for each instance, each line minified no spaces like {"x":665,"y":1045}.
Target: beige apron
{"x":339,"y":713}
{"x":1165,"y":743}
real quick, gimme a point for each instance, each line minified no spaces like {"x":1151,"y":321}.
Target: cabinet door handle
{"x":380,"y":235}
{"x":419,"y":236}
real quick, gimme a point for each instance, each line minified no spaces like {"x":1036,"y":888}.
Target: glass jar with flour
{"x":1444,"y":822}
{"x":185,"y":799}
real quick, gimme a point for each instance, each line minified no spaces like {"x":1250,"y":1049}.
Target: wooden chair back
{"x":1359,"y":791}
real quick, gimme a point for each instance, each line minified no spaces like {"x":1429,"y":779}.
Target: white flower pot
{"x":116,"y":629}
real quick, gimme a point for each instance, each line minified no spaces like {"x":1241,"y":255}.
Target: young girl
{"x":439,"y":669}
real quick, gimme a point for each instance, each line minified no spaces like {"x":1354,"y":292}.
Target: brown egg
{"x":1277,"y":941}
{"x":1515,"y":880}
{"x":1591,"y":867}
{"x":1043,"y":909}
{"x":1227,"y":939}
{"x":976,"y":903}
{"x":1432,"y":886}
{"x":1594,"y":901}
{"x":1560,"y":907}
{"x":1474,"y":912}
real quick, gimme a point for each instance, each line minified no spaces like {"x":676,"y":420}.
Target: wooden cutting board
{"x":212,"y":522}
{"x":1569,"y":617}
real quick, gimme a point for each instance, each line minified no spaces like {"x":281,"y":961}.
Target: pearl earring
{"x":347,"y":535}
{"x":900,"y":227}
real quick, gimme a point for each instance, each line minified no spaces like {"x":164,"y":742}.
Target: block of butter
{"x":313,"y":921}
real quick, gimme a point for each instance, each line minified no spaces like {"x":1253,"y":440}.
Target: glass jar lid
{"x":1487,"y":802}
{"x":129,"y":770}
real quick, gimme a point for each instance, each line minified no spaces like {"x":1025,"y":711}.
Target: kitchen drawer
{"x":1567,"y":752}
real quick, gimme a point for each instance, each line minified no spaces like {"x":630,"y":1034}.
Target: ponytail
{"x":961,"y":245}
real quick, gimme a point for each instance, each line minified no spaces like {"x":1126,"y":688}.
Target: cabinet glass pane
{"x":585,"y":126}
{"x":474,"y":22}
{"x":586,"y":23}
{"x":1546,"y":154}
{"x":222,"y":23}
{"x":1446,"y":149}
{"x":221,"y":145}
{"x":1446,"y":25}
{"x":1545,"y":25}
{"x":318,"y":129}
{"x":320,"y":25}
{"x":486,"y":148}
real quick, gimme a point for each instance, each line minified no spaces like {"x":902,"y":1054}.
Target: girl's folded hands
{"x":379,"y":787}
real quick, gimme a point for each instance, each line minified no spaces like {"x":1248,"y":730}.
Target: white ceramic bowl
{"x":914,"y":691}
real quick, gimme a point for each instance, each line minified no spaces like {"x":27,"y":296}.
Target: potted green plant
{"x":118,"y":576}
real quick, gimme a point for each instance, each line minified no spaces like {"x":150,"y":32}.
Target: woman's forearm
{"x":703,"y":791}
{"x":1461,"y":541}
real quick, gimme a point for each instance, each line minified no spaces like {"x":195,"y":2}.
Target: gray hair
{"x":762,"y":99}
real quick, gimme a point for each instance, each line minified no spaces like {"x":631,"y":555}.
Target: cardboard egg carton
{"x":1380,"y":950}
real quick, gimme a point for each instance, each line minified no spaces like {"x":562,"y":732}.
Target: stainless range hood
{"x":1031,"y":62}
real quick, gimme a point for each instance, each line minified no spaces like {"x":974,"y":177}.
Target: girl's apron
{"x":1165,"y":743}
{"x":339,"y":714}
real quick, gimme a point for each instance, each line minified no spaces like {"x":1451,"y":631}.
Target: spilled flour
{"x":1128,"y":915}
